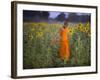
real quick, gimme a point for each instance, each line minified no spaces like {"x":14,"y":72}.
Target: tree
{"x":45,"y":15}
{"x":61,"y":17}
{"x":73,"y":17}
{"x":35,"y":15}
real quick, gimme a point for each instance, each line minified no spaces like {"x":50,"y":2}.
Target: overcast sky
{"x":55,"y":14}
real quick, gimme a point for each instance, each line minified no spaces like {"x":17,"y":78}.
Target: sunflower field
{"x":41,"y":51}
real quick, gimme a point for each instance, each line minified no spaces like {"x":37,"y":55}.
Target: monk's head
{"x":65,"y":24}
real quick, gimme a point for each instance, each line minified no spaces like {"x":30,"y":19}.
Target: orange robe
{"x":64,"y":51}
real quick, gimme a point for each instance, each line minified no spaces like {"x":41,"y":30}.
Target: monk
{"x":64,"y":51}
{"x":62,"y":40}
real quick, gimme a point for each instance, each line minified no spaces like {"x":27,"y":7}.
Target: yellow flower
{"x":39,"y":34}
{"x":80,"y":27}
{"x":70,"y":31}
{"x":80,"y":24}
{"x":87,"y":24}
{"x":86,"y":29}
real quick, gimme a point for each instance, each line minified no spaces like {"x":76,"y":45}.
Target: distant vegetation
{"x":38,"y":16}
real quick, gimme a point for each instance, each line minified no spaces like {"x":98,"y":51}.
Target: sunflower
{"x":86,"y":29}
{"x":80,"y":27}
{"x":70,"y":31}
{"x":87,"y":24}
{"x":80,"y":24}
{"x":83,"y":29}
{"x":39,"y":34}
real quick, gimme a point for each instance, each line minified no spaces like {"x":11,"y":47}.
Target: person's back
{"x":63,"y":34}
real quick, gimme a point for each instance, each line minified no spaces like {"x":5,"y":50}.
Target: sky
{"x":55,"y":14}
